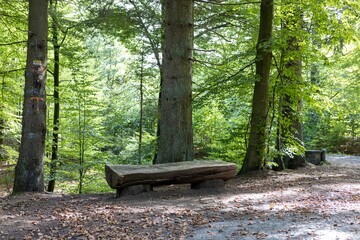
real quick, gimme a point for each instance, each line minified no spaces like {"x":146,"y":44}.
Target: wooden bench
{"x":134,"y":179}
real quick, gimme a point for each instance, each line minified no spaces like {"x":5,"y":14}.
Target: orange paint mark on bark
{"x":37,"y":101}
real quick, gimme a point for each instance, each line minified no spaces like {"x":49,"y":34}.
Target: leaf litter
{"x":316,"y":202}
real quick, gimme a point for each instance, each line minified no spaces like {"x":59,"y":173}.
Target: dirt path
{"x":313,"y":203}
{"x":309,"y":203}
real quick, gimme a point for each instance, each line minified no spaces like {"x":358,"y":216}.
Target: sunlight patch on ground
{"x":329,"y":234}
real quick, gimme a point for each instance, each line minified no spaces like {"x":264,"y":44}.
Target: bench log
{"x":138,"y":178}
{"x":315,"y":156}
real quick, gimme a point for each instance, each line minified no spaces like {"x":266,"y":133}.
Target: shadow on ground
{"x":316,"y":202}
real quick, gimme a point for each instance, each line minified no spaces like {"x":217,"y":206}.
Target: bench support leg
{"x":133,"y":190}
{"x":214,"y":183}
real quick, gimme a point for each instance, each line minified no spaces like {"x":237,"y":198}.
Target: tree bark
{"x":29,"y":171}
{"x":290,"y":127}
{"x":2,"y":122}
{"x":161,"y":67}
{"x":175,"y":142}
{"x":141,"y":108}
{"x":255,"y":152}
{"x":55,"y":138}
{"x":82,"y":131}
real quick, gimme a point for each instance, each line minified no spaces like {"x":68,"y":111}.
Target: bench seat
{"x":132,"y":179}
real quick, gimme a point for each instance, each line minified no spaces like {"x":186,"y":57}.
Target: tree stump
{"x":315,"y":157}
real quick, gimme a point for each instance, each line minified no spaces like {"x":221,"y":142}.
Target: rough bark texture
{"x":176,"y":136}
{"x":29,"y":171}
{"x":121,"y":176}
{"x":255,"y":152}
{"x":290,"y":127}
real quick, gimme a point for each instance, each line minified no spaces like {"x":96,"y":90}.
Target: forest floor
{"x":316,"y":202}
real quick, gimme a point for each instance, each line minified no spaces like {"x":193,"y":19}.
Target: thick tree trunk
{"x":255,"y":152}
{"x":290,"y":127}
{"x":29,"y":171}
{"x":55,"y":139}
{"x":175,"y":125}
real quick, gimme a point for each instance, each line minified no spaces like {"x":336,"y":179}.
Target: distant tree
{"x":56,"y":75}
{"x":29,"y":171}
{"x":255,"y":152}
{"x":175,"y":142}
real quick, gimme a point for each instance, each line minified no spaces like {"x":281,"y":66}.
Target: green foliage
{"x":220,"y":132}
{"x":12,"y":65}
{"x":332,"y":121}
{"x":102,"y":47}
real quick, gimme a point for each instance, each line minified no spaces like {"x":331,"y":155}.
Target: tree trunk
{"x":3,"y":152}
{"x":29,"y":171}
{"x":290,"y":127}
{"x":141,"y":107}
{"x":2,"y":121}
{"x":55,"y":139}
{"x":160,"y":65}
{"x":176,"y":136}
{"x":82,"y":131}
{"x":255,"y":152}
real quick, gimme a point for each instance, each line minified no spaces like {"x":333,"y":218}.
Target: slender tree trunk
{"x":141,"y":107}
{"x":82,"y":132}
{"x":29,"y":171}
{"x":2,"y":121}
{"x":290,"y":127}
{"x":2,"y":150}
{"x":255,"y":152}
{"x":176,"y":136}
{"x":55,"y":137}
{"x":160,"y":65}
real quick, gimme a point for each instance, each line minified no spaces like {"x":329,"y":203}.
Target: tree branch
{"x":227,"y":4}
{"x":12,"y":43}
{"x":202,"y":50}
{"x":12,"y":70}
{"x":147,"y":34}
{"x":226,"y":79}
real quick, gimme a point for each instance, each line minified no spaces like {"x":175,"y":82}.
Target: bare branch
{"x":225,"y":79}
{"x":332,"y":97}
{"x":148,"y":35}
{"x":212,"y":29}
{"x":227,"y":4}
{"x":206,"y":63}
{"x":12,"y":43}
{"x":203,"y":50}
{"x":12,"y":70}
{"x":49,"y":71}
